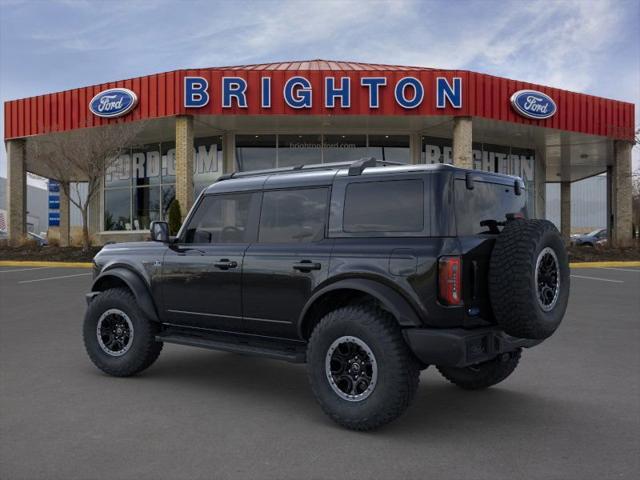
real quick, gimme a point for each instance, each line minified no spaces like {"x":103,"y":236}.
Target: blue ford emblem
{"x":533,"y":104}
{"x":114,"y":102}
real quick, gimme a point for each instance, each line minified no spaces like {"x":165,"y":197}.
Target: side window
{"x":220,"y":219}
{"x":387,"y":206}
{"x":290,"y":216}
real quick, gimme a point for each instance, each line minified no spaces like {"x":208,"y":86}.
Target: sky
{"x":589,"y":46}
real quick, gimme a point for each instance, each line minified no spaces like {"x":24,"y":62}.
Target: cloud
{"x":591,"y":46}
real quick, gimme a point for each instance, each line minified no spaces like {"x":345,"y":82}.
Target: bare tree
{"x":82,"y":156}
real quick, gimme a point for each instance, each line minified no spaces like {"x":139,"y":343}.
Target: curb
{"x":630,"y":263}
{"x":29,"y":263}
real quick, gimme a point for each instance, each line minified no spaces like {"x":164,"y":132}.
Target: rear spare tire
{"x":529,"y":279}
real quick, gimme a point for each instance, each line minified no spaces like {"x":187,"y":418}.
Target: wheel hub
{"x":351,"y":368}
{"x":114,"y":332}
{"x":547,"y":278}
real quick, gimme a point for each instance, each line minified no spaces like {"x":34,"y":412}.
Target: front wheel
{"x":119,"y":338}
{"x":483,"y":375}
{"x":360,"y":369}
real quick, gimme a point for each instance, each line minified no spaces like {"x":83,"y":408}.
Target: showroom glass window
{"x":140,"y":185}
{"x":392,"y":148}
{"x":260,"y":152}
{"x":344,"y":148}
{"x":255,"y":152}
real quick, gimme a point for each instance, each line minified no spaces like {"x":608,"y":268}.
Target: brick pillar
{"x":415,"y":148}
{"x":462,"y":142}
{"x":16,"y":191}
{"x":540,"y":185}
{"x":65,"y":216}
{"x":565,"y":211}
{"x":184,"y":163}
{"x":228,"y":153}
{"x":621,"y":188}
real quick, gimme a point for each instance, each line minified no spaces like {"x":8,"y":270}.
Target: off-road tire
{"x":144,"y":349}
{"x":512,"y":285}
{"x":483,"y":375}
{"x":398,"y":370}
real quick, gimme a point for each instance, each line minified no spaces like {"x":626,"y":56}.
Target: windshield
{"x":594,"y":233}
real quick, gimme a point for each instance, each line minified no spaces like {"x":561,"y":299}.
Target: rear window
{"x":487,"y":201}
{"x":386,"y":206}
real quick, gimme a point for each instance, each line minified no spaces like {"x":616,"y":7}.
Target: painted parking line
{"x":23,"y":269}
{"x":636,"y":270}
{"x":55,"y":278}
{"x":598,"y":278}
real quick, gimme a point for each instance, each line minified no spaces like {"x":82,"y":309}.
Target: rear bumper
{"x":457,"y":347}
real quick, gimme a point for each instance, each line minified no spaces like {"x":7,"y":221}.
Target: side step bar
{"x":287,"y":350}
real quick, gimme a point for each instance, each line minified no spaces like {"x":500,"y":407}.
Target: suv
{"x":367,"y":271}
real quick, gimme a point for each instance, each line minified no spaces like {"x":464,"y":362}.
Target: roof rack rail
{"x":355,"y":168}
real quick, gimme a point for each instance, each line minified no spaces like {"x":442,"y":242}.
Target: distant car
{"x":40,"y":240}
{"x":591,"y":239}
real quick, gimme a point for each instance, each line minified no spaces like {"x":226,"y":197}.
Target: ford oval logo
{"x":114,"y":102}
{"x":533,"y":104}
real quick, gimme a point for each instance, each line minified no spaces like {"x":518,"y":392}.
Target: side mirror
{"x":159,"y":232}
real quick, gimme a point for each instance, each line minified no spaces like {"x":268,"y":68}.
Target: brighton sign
{"x":297,"y":92}
{"x":113,"y":103}
{"x":533,"y":104}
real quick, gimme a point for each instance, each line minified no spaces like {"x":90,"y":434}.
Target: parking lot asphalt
{"x":570,"y":411}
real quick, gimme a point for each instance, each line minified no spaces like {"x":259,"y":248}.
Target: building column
{"x":184,"y":163}
{"x":65,"y":216}
{"x":462,"y":142}
{"x":16,"y":191}
{"x":96,"y":209}
{"x":620,"y":234}
{"x":228,"y":153}
{"x":540,"y":186}
{"x":415,"y":148}
{"x":565,"y":211}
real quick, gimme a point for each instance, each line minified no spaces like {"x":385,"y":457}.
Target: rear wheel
{"x":483,"y":375}
{"x":118,"y":337}
{"x":360,"y":369}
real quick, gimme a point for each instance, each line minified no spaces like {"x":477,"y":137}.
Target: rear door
{"x":290,"y":258}
{"x":202,"y":272}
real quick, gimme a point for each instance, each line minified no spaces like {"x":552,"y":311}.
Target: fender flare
{"x":137,"y":286}
{"x":395,"y":303}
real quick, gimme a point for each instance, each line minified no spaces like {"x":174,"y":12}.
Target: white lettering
{"x":206,"y":160}
{"x":532,"y":104}
{"x":108,"y":103}
{"x":432,"y":154}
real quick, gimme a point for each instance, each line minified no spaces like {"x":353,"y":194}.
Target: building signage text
{"x":298,"y":93}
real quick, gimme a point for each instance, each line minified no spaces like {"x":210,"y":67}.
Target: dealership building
{"x":195,"y":125}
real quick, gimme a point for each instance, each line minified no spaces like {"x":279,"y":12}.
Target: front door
{"x":290,"y":258}
{"x":202,"y":271}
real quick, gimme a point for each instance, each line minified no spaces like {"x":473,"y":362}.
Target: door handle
{"x":306,"y":266}
{"x":225,"y":264}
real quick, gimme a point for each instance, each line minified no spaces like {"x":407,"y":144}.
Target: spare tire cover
{"x":529,"y":279}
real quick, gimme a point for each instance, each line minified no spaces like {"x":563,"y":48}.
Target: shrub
{"x":175,"y":217}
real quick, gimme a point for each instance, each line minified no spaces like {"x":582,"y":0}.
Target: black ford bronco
{"x":366,"y":271}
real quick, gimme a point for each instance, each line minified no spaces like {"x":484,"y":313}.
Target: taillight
{"x":450,"y":280}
